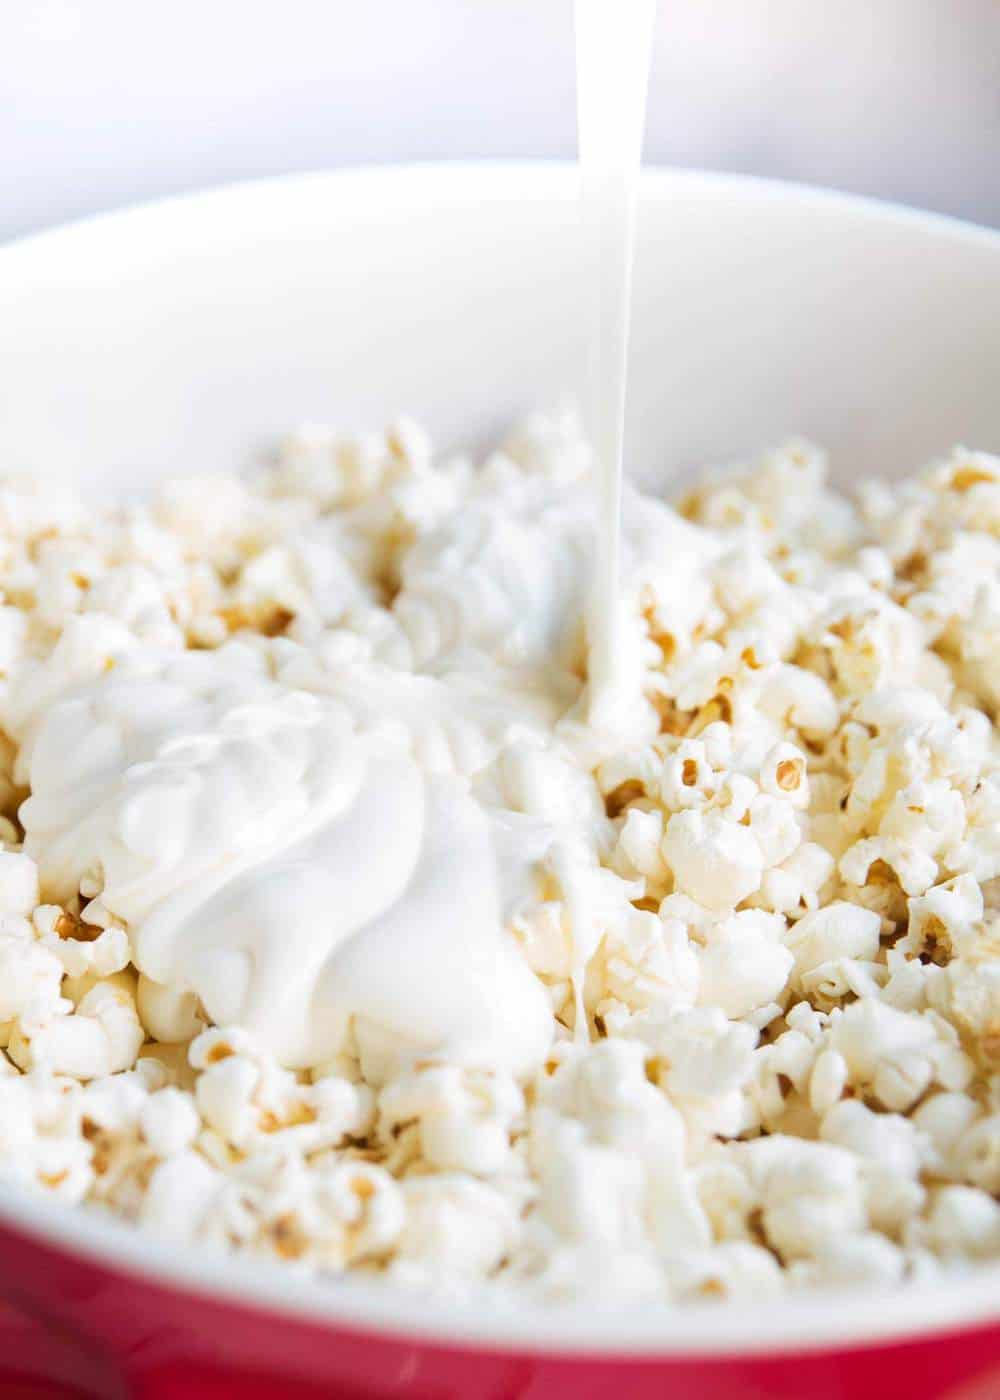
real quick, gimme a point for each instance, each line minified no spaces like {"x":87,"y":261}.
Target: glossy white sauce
{"x":297,"y":848}
{"x":614,"y":43}
{"x":302,"y":875}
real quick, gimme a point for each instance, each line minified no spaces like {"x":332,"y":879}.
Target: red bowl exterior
{"x":86,"y":1330}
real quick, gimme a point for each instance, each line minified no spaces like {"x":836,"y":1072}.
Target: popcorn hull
{"x":92,"y":1330}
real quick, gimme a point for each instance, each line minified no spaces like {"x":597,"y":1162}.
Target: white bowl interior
{"x":187,"y":335}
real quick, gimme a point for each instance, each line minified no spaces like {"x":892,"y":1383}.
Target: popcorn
{"x":744,"y":964}
{"x":703,"y":1061}
{"x":736,"y":1270}
{"x":465,"y":1117}
{"x":181,"y":1194}
{"x":840,"y":930}
{"x":885,"y":1138}
{"x":811,"y":1193}
{"x":41,"y":1145}
{"x":687,"y":778}
{"x":714,"y":861}
{"x":802,"y":700}
{"x":587,"y":1191}
{"x":867,"y":1258}
{"x":843,"y":978}
{"x":900,"y":1085}
{"x":18,"y":883}
{"x":872,"y":642}
{"x":782,"y":1071}
{"x":30,"y":980}
{"x":945,"y":1118}
{"x":169,"y":1015}
{"x":764,"y":916}
{"x":976,"y":1154}
{"x":794,"y":886}
{"x":870,"y":1035}
{"x":784,"y":775}
{"x":827,"y":1081}
{"x":168,"y":1121}
{"x":915,"y":870}
{"x":369,"y":1203}
{"x":775,"y":827}
{"x":82,"y":946}
{"x":454,"y":1230}
{"x":969,"y":994}
{"x":638,"y":852}
{"x":651,"y":962}
{"x":247,"y":1099}
{"x":961,"y":1221}
{"x":942,"y":922}
{"x":102,"y":1036}
{"x":700,"y":1054}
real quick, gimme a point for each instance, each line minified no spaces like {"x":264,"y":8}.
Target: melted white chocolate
{"x":288,"y":832}
{"x":291,"y":842}
{"x":299,"y":876}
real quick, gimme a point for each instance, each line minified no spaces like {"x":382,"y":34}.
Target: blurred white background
{"x":104,"y":102}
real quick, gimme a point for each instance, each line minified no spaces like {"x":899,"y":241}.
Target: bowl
{"x":186,"y":336}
